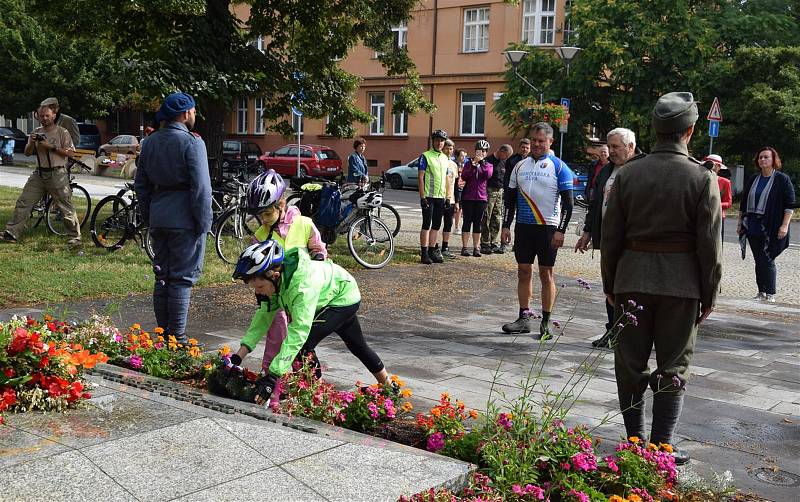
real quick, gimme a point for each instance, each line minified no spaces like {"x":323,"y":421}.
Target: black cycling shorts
{"x":432,"y":216}
{"x":448,"y":218}
{"x":533,"y":242}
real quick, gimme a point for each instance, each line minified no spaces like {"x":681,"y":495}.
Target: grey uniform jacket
{"x":172,"y":180}
{"x":666,"y":196}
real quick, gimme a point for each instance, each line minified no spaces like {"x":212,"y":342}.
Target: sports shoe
{"x":476,"y":252}
{"x":496,"y":249}
{"x":436,"y":255}
{"x":457,"y":232}
{"x":74,"y":242}
{"x":8,"y":237}
{"x":681,"y":456}
{"x":544,"y":331}
{"x":464,"y":252}
{"x":769,"y":298}
{"x":486,"y":249}
{"x":446,"y":253}
{"x":425,"y":257}
{"x":503,"y":249}
{"x":603,"y":342}
{"x":521,"y":325}
{"x":760,"y":296}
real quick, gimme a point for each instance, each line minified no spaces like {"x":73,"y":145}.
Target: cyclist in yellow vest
{"x":432,"y":175}
{"x":291,"y":230}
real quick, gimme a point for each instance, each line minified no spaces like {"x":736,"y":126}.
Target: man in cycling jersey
{"x":540,"y":193}
{"x":432,"y":177}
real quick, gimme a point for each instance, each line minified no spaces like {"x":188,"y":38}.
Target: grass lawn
{"x":41,"y":268}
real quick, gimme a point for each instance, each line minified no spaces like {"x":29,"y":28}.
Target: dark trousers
{"x":344,"y":322}
{"x":472,"y":215}
{"x":667,"y":323}
{"x":447,"y":215}
{"x":766,"y":274}
{"x":178,"y":263}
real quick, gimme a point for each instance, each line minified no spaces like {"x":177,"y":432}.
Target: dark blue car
{"x":581,"y":172}
{"x":90,"y":137}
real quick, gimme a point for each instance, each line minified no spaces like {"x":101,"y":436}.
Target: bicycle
{"x":45,"y":209}
{"x":234,"y":227}
{"x":116,"y":220}
{"x":369,"y":239}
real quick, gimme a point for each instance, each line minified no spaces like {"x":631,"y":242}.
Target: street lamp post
{"x":514,"y":58}
{"x":567,"y":54}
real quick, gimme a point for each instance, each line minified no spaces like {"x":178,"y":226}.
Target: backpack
{"x":329,"y":206}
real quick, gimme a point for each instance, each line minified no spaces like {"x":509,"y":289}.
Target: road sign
{"x":713,"y":129}
{"x":564,"y":126}
{"x":295,"y":110}
{"x":715,"y":113}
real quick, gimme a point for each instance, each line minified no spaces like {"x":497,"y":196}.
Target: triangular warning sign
{"x":715,"y":113}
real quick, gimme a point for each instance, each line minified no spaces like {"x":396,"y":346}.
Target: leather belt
{"x":661,"y":247}
{"x":48,"y":169}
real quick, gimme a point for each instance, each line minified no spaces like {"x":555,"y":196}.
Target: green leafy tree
{"x":201,"y":47}
{"x":38,"y":61}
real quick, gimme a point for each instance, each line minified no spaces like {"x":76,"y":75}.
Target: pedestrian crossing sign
{"x":715,"y":113}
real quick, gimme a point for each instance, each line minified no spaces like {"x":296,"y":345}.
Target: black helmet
{"x":439,"y":133}
{"x":482,"y":144}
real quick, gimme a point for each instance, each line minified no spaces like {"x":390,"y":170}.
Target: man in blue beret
{"x":174,"y":190}
{"x":660,"y":258}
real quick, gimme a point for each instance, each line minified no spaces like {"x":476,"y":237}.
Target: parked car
{"x":124,"y":143}
{"x":315,"y":160}
{"x":20,"y":138}
{"x":238,"y":153}
{"x":581,"y":172}
{"x":90,"y":137}
{"x":404,"y":175}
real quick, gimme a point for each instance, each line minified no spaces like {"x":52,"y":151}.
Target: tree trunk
{"x":212,"y":129}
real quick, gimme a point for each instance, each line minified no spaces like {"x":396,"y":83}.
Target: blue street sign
{"x":295,"y":99}
{"x":713,"y":128}
{"x":565,"y":103}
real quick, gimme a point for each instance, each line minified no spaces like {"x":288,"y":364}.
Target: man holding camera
{"x":52,"y":145}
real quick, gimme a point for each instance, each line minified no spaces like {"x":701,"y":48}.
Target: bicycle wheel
{"x":234,"y":233}
{"x":390,"y":216}
{"x":82,"y":204}
{"x":370,"y":242}
{"x":148,"y":243}
{"x":109,"y":226}
{"x":38,"y":211}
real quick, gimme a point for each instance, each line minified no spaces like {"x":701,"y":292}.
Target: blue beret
{"x":174,"y":104}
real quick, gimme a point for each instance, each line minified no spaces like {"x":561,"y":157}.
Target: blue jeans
{"x":766,"y":274}
{"x":178,"y":263}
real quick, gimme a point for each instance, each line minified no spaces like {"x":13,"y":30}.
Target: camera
{"x":37,"y":136}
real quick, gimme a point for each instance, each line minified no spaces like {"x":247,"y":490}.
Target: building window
{"x":297,"y":124}
{"x":258,"y":43}
{"x":241,"y":116}
{"x":400,"y":33}
{"x":473,"y":109}
{"x":538,"y":22}
{"x":400,"y":120}
{"x":570,"y":35}
{"x":259,"y":116}
{"x":476,"y":29}
{"x":377,"y":108}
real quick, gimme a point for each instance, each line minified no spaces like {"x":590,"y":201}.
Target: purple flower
{"x":631,"y":303}
{"x":676,"y":381}
{"x":556,"y":324}
{"x":518,"y":491}
{"x":347,"y":397}
{"x":435,"y":442}
{"x":580,"y":496}
{"x":537,"y":492}
{"x":504,"y":421}
{"x":612,"y":464}
{"x":118,"y":338}
{"x":135,"y":361}
{"x":373,"y":410}
{"x":584,"y":462}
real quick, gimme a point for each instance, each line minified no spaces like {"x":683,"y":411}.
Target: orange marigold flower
{"x":224,"y":351}
{"x":652,"y":447}
{"x":136,"y":326}
{"x":407,"y":406}
{"x":173,"y":343}
{"x":616,"y":498}
{"x":665,"y":447}
{"x":445,"y":397}
{"x":160,"y":339}
{"x":48,"y":318}
{"x":406,"y":393}
{"x":436,"y":412}
{"x":158,"y":330}
{"x":473,"y":414}
{"x":208,"y":366}
{"x":634,"y":498}
{"x":634,"y":439}
{"x":460,"y":404}
{"x":195,"y":352}
{"x":192,"y":342}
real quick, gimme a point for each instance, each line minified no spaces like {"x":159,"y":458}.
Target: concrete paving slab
{"x":348,"y":473}
{"x":64,"y":477}
{"x":18,"y":446}
{"x":270,"y":484}
{"x":177,"y":460}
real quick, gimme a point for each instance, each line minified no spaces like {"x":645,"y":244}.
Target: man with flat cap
{"x":174,"y":190}
{"x":63,"y":120}
{"x":661,"y":252}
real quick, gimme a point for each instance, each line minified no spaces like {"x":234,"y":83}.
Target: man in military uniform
{"x":63,"y":120}
{"x":174,"y":190}
{"x":665,"y":261}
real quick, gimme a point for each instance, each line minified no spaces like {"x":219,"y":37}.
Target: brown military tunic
{"x":661,"y":250}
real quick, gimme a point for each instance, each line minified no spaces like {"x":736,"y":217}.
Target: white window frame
{"x":401,"y":34}
{"x":258,"y":108}
{"x":475,"y":106}
{"x":570,"y":36}
{"x":258,"y":43}
{"x":297,"y":121}
{"x":538,"y":24}
{"x":377,"y":127}
{"x":241,"y":116}
{"x":399,"y":120}
{"x":476,"y":29}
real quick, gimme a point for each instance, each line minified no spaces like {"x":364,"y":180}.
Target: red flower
{"x":44,"y":362}
{"x":9,"y":372}
{"x":19,"y":342}
{"x":8,"y":398}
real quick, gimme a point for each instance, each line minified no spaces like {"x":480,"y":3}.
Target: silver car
{"x":404,"y":175}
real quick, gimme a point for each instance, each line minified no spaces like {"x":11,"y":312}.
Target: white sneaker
{"x":770,"y":298}
{"x":760,"y":296}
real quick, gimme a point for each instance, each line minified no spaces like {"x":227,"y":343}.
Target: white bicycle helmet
{"x":257,"y":259}
{"x":264,"y":190}
{"x":482,"y":144}
{"x":369,"y":200}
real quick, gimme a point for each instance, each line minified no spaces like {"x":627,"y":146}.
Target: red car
{"x":315,"y":160}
